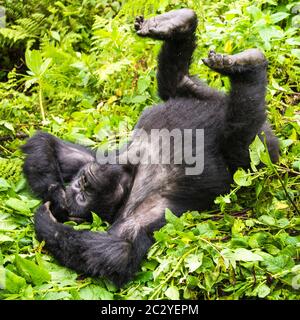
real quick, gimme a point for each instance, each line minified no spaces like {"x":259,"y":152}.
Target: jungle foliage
{"x":76,"y":69}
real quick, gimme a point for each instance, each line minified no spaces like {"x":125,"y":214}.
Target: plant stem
{"x":172,"y":273}
{"x":41,"y":103}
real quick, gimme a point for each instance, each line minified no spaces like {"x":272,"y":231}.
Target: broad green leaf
{"x":257,"y":239}
{"x":7,"y":125}
{"x":242,"y":254}
{"x":170,"y":217}
{"x":255,"y":12}
{"x":32,"y":271}
{"x":285,"y":143}
{"x":174,"y":220}
{"x":57,"y":295}
{"x":296,"y":165}
{"x":4,"y":185}
{"x":55,"y":35}
{"x":242,"y":178}
{"x":18,"y":205}
{"x":45,"y":66}
{"x":207,"y":229}
{"x":139,"y":99}
{"x":143,"y":84}
{"x":283,"y":222}
{"x":193,"y":261}
{"x":5,"y":238}
{"x":93,"y":292}
{"x":8,"y":225}
{"x":296,"y":53}
{"x":172,"y":293}
{"x":34,"y":61}
{"x":267,"y":220}
{"x":238,"y":226}
{"x":278,"y":16}
{"x":262,"y":290}
{"x":279,"y":263}
{"x":256,"y":148}
{"x":10,"y":281}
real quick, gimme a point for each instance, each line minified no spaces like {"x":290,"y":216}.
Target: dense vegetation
{"x":76,"y":69}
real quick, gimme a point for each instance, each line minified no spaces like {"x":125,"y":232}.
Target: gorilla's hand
{"x":58,"y":204}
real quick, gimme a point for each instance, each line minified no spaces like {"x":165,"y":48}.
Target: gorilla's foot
{"x":173,"y":24}
{"x":241,"y":62}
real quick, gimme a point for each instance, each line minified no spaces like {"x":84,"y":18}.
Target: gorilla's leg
{"x":115,"y":254}
{"x":246,"y":114}
{"x":177,"y":29}
{"x":49,"y":163}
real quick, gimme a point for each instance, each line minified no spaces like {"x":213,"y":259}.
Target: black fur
{"x":134,"y":197}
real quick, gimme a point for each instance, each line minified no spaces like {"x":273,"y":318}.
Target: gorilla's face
{"x":97,"y":188}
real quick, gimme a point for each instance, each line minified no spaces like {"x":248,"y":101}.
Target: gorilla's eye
{"x":81,"y":199}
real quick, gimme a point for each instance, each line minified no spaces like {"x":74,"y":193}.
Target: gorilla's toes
{"x":138,"y":24}
{"x":176,"y":23}
{"x":240,"y":62}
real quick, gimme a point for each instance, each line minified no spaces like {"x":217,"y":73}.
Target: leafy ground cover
{"x":76,"y":69}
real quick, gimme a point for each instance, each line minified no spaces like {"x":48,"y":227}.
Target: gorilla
{"x":73,"y":182}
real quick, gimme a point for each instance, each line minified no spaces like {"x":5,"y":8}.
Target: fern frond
{"x":9,"y":36}
{"x":25,"y":28}
{"x":11,"y":169}
{"x":32,"y":25}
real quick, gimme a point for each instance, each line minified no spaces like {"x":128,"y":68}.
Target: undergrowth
{"x":76,"y":69}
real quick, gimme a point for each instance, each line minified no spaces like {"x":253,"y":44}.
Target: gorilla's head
{"x":98,"y":188}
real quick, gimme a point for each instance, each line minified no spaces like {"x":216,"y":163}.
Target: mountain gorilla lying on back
{"x":133,"y":197}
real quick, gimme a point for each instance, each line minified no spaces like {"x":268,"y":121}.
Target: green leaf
{"x":19,"y":206}
{"x":57,"y":295}
{"x":296,"y":164}
{"x":55,"y":35}
{"x":143,"y":84}
{"x":278,"y":16}
{"x":242,"y":178}
{"x":172,"y":219}
{"x":93,"y":292}
{"x":262,"y":290}
{"x":4,"y":185}
{"x":296,"y":53}
{"x":10,"y":281}
{"x":242,"y":254}
{"x":279,"y":263}
{"x":45,"y":65}
{"x":32,"y":271}
{"x":34,"y":61}
{"x":238,"y":226}
{"x":7,"y":125}
{"x":172,"y":293}
{"x":207,"y":229}
{"x":267,"y":220}
{"x":257,"y":239}
{"x":193,"y":261}
{"x":256,"y":148}
{"x":5,"y":238}
{"x":97,"y":222}
{"x":139,"y":99}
